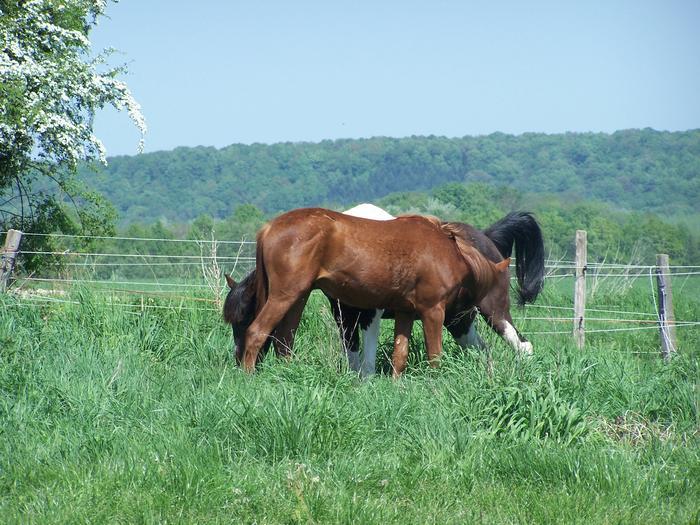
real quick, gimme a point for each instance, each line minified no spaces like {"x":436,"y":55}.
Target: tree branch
{"x":44,"y":171}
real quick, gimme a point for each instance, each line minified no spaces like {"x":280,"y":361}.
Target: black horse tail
{"x":520,"y":228}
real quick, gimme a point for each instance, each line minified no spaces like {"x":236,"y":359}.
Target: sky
{"x":215,"y":73}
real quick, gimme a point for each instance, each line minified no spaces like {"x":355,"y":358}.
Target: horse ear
{"x":229,"y":280}
{"x":503,"y":265}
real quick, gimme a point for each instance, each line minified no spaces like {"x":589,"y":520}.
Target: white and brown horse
{"x":414,"y":266}
{"x":517,"y":229}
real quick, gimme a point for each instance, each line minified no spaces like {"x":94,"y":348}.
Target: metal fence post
{"x":580,"y":288}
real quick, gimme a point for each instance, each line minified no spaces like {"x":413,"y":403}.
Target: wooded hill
{"x":641,"y":170}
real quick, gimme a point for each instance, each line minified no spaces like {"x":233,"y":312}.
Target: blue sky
{"x":220,"y":72}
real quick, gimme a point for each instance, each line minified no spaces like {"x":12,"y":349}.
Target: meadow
{"x":138,"y":415}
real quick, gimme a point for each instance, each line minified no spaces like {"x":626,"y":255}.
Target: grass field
{"x":131,"y":415}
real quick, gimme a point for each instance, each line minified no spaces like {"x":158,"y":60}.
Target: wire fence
{"x":137,"y":266}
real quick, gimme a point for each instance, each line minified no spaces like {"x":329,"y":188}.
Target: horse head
{"x":239,"y":309}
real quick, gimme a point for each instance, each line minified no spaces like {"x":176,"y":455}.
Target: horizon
{"x":340,"y":139}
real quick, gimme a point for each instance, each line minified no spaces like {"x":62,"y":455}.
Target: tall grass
{"x":114,"y":414}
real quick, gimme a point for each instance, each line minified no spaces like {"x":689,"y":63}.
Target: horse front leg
{"x":432,"y":331}
{"x":260,"y":329}
{"x":348,"y":320}
{"x":402,"y":333}
{"x":283,"y":337}
{"x":463,"y":329}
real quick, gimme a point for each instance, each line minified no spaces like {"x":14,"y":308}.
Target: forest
{"x":635,"y":191}
{"x":642,"y":170}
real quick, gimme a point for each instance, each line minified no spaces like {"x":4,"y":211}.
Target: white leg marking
{"x":354,"y":360}
{"x":471,"y":338}
{"x":371,"y":339}
{"x":510,"y":335}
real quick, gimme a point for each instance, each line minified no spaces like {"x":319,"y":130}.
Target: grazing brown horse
{"x":517,"y":230}
{"x":414,"y":266}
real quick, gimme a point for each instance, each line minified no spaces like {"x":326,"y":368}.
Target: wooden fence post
{"x":580,"y":288}
{"x":667,"y":321}
{"x":9,"y":252}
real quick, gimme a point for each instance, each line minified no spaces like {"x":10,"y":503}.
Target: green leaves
{"x":50,"y":91}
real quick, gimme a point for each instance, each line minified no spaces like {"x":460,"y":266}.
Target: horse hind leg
{"x":402,"y":333}
{"x":503,"y":326}
{"x":517,"y":341}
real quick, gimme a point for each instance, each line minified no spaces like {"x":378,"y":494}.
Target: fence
{"x":127,"y":266}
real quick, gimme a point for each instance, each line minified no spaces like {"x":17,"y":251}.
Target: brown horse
{"x":414,"y":266}
{"x":517,"y":229}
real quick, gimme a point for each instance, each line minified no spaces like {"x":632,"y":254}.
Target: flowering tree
{"x":50,"y":90}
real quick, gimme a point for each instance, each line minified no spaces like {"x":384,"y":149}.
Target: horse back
{"x":372,"y":263}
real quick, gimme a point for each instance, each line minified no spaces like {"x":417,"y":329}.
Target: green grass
{"x":113,"y":414}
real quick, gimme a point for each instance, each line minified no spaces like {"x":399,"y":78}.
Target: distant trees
{"x":642,"y":170}
{"x":610,"y":185}
{"x":612,"y":235}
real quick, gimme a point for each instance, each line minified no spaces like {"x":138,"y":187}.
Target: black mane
{"x":239,"y":307}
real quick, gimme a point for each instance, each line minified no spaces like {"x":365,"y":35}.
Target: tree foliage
{"x":635,"y":191}
{"x":635,"y":169}
{"x":50,"y":90}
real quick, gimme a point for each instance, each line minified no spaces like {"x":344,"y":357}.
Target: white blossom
{"x":49,"y":90}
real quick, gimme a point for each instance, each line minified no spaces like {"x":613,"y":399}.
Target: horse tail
{"x":261,"y":281}
{"x":520,"y":228}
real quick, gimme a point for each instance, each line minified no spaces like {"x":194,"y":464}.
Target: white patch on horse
{"x":354,"y":361}
{"x":369,"y":211}
{"x":371,"y":339}
{"x":471,"y":338}
{"x":511,"y":335}
{"x":371,"y":335}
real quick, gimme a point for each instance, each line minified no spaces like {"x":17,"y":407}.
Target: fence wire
{"x":92,"y":261}
{"x":137,"y":239}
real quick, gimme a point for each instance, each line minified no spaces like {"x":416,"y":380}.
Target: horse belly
{"x":367,"y":292}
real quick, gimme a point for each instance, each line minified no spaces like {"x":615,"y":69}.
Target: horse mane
{"x":482,"y":268}
{"x":428,"y":218}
